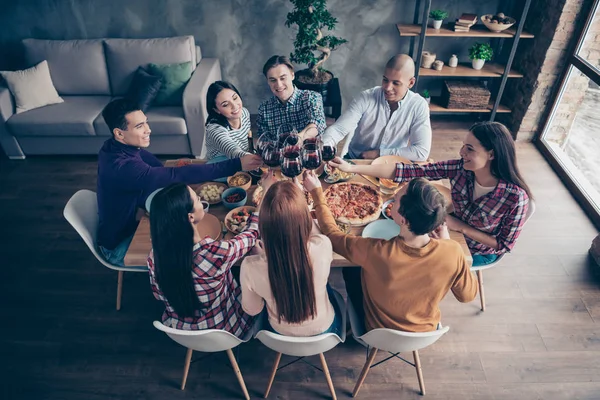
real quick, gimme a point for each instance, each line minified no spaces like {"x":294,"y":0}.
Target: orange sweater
{"x":402,"y":285}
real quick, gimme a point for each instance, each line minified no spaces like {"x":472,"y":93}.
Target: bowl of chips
{"x":335,"y":175}
{"x":241,"y":179}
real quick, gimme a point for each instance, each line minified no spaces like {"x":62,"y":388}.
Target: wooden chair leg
{"x":327,"y":376}
{"x":273,"y":372}
{"x":364,"y":372}
{"x":238,"y":373}
{"x":119,"y":289}
{"x":186,"y":367}
{"x":481,"y":293}
{"x":419,"y":371}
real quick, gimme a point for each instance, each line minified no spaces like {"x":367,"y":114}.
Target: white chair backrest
{"x":207,"y":340}
{"x":81,"y":212}
{"x":530,"y":210}
{"x":310,"y":345}
{"x":398,"y":341}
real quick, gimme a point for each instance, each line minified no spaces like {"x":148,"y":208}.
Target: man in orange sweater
{"x":403,"y":279}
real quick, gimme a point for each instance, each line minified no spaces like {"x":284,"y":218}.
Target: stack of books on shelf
{"x":465,"y":22}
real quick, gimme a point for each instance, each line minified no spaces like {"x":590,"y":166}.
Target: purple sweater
{"x":127,"y":175}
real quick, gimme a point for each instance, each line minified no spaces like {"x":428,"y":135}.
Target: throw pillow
{"x":174,"y":79}
{"x":144,"y":88}
{"x":32,"y":87}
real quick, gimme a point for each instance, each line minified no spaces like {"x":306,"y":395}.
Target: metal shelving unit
{"x":419,"y":30}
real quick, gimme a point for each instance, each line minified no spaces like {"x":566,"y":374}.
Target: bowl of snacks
{"x":237,"y":219}
{"x":241,"y":179}
{"x":498,"y":22}
{"x":211,"y":192}
{"x":386,"y":209}
{"x":335,"y":175}
{"x":234,"y":197}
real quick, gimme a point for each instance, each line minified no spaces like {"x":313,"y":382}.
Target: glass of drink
{"x":328,"y":152}
{"x":291,"y":163}
{"x":311,"y":155}
{"x":284,"y":132}
{"x":271,"y":154}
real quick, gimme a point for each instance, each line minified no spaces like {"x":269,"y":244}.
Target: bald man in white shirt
{"x":388,"y":119}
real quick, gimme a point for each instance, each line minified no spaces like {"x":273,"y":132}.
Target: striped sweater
{"x":228,"y":142}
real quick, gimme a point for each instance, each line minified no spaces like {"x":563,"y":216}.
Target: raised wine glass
{"x":284,"y":132}
{"x":311,"y":154}
{"x":271,"y":153}
{"x":328,"y":151}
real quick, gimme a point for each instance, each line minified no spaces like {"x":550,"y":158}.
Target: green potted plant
{"x":427,"y":96}
{"x":438,"y":16}
{"x":479,"y":53}
{"x":312,"y":18}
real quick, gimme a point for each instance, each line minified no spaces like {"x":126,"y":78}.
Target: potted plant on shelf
{"x":438,"y":16}
{"x":312,"y":18}
{"x":427,"y":96}
{"x":479,"y":53}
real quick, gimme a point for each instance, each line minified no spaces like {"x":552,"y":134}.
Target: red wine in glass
{"x":291,"y":164}
{"x":328,"y":153}
{"x":311,"y":156}
{"x":312,"y":140}
{"x":271,"y":155}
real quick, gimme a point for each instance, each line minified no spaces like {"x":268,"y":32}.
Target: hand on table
{"x":441,"y":232}
{"x":250,"y":162}
{"x":370,"y":155}
{"x":340,"y":164}
{"x":310,"y":180}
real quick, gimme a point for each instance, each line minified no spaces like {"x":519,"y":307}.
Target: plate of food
{"x":386,"y":209}
{"x":237,"y":219}
{"x":240,"y":179}
{"x":211,"y":192}
{"x":353,"y":203}
{"x":334,"y":175}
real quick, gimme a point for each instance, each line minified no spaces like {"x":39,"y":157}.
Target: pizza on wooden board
{"x":353,"y":203}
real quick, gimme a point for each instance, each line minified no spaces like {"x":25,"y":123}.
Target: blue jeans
{"x":484,"y":259}
{"x":116,"y":256}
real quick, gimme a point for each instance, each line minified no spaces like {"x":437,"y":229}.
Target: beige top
{"x":256,"y":289}
{"x":479,"y":190}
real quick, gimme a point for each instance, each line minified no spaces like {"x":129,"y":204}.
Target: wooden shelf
{"x":447,"y":31}
{"x":436,"y":108}
{"x":489,"y":70}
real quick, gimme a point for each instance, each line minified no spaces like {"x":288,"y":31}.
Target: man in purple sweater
{"x":127,"y":174}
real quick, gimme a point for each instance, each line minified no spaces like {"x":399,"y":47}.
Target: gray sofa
{"x":90,"y":73}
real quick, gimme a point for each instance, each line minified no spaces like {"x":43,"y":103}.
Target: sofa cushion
{"x":32,"y":88}
{"x":77,"y":67}
{"x":144,"y":88}
{"x":162,"y":121}
{"x":174,"y":79}
{"x":74,"y":117}
{"x":124,"y":56}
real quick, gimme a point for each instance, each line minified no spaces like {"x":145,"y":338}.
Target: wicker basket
{"x":469,"y":95}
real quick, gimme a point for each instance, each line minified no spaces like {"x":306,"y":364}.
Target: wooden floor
{"x":61,"y":337}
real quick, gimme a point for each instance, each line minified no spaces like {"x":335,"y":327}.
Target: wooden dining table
{"x":140,"y":246}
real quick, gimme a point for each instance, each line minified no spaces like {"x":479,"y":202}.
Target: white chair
{"x":207,"y":341}
{"x":479,"y":269}
{"x":306,"y":346}
{"x":392,"y":341}
{"x":81,"y":212}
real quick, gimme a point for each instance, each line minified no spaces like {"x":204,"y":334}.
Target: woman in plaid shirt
{"x":190,"y":274}
{"x":489,"y":195}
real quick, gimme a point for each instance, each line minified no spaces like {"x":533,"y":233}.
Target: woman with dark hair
{"x":489,"y":196}
{"x":228,"y":122}
{"x":290,"y":274}
{"x":302,"y":109}
{"x":190,"y":274}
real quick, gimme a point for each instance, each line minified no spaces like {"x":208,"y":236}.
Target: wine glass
{"x":328,"y":152}
{"x":311,"y":154}
{"x":271,"y":153}
{"x":262,"y":142}
{"x":291,"y":163}
{"x":284,"y":132}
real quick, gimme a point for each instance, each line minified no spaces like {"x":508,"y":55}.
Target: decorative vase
{"x":437,"y":65}
{"x":428,"y":100}
{"x":437,"y":24}
{"x":477,"y":64}
{"x":427,"y":59}
{"x":453,"y":61}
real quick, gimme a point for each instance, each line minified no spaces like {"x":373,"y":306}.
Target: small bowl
{"x":244,"y":186}
{"x":219,"y":185}
{"x":496,"y":27}
{"x":384,"y":206}
{"x":229,"y":216}
{"x":229,"y":192}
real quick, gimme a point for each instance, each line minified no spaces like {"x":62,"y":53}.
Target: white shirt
{"x":479,"y":190}
{"x":406,"y":133}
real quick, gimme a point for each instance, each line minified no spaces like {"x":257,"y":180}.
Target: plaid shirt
{"x":500,"y":213}
{"x":302,"y":108}
{"x":218,"y":293}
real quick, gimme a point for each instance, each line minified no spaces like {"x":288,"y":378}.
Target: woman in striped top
{"x":228,"y":122}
